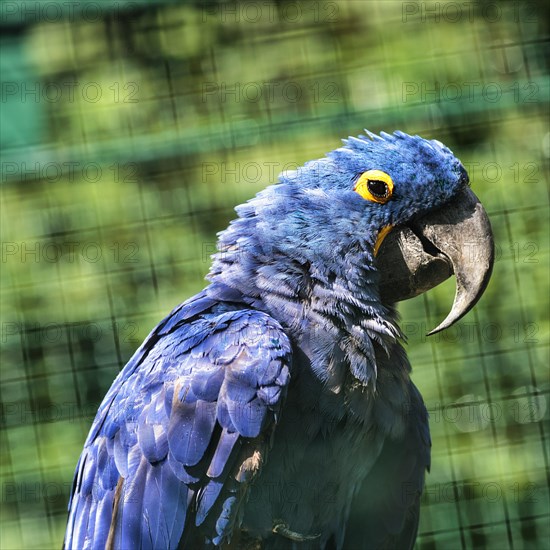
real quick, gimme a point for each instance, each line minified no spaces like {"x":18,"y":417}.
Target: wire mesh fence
{"x":129,"y":132}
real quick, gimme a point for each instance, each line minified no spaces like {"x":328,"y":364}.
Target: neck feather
{"x":326,"y":297}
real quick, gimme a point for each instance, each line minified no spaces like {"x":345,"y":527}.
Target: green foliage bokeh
{"x":148,"y":124}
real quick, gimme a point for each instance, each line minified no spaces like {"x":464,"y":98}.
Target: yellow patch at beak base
{"x":381,"y":236}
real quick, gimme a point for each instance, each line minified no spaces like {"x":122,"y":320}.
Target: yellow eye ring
{"x":375,"y":186}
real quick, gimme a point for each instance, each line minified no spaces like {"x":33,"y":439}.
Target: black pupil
{"x":378,"y":188}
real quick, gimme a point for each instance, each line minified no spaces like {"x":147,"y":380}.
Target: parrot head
{"x":397,"y":204}
{"x":441,"y":227}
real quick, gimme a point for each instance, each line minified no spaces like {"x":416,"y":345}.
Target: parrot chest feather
{"x":324,"y":446}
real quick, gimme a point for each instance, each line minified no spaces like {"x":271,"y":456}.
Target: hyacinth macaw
{"x":254,"y":412}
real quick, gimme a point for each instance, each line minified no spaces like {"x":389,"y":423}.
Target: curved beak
{"x":454,"y":239}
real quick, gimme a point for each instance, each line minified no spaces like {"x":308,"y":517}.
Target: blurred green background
{"x":130,"y":130}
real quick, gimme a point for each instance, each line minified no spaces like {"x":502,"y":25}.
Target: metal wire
{"x":130,"y":130}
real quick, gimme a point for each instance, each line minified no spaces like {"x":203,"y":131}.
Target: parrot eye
{"x":375,"y":186}
{"x":378,"y":188}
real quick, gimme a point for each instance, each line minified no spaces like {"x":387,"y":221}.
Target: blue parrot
{"x":256,"y":410}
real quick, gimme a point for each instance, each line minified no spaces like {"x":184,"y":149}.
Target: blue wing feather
{"x":166,"y":443}
{"x":206,"y":499}
{"x":81,"y":523}
{"x":103,"y":519}
{"x":128,"y":528}
{"x":220,"y":459}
